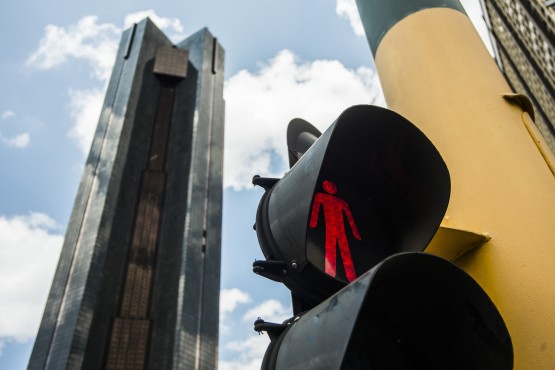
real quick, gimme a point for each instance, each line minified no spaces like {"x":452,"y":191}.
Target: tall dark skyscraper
{"x":137,"y":284}
{"x":523,"y":35}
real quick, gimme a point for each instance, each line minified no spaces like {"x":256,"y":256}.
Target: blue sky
{"x":284,"y":59}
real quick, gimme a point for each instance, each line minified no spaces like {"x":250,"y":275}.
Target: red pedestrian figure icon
{"x":334,"y":207}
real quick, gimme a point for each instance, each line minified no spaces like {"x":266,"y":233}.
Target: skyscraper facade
{"x":523,"y":35}
{"x":137,"y":283}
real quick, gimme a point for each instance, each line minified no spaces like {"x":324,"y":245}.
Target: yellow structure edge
{"x":436,"y":72}
{"x":450,"y":243}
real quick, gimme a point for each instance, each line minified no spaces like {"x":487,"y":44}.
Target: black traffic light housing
{"x":384,"y":169}
{"x":411,"y":311}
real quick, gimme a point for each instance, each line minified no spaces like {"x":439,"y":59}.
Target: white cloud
{"x":348,"y":9}
{"x":250,"y":353}
{"x":29,"y":248}
{"x":260,"y":105}
{"x":7,"y":114}
{"x":85,"y":107}
{"x":271,"y":311}
{"x":91,"y":41}
{"x":86,"y":39}
{"x":96,"y":43}
{"x":172,"y":25}
{"x":247,"y":353}
{"x":19,"y":141}
{"x":230,"y":299}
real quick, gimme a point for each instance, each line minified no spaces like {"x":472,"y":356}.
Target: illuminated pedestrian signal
{"x":334,"y":211}
{"x":372,"y":185}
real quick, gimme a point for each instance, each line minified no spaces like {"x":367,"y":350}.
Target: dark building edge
{"x":43,"y":343}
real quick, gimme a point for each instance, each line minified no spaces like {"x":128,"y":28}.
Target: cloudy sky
{"x":284,"y":59}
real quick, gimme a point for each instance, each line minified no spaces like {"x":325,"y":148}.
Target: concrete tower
{"x":137,"y":283}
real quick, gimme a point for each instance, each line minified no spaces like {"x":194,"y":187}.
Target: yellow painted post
{"x":436,"y":72}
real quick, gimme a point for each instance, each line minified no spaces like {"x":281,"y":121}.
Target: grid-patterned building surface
{"x":523,"y":36}
{"x":137,"y":284}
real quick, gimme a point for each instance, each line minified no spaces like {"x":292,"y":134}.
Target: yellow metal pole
{"x":436,"y":72}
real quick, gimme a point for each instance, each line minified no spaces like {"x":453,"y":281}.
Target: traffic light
{"x":344,"y":230}
{"x":411,"y":311}
{"x":371,"y":167}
